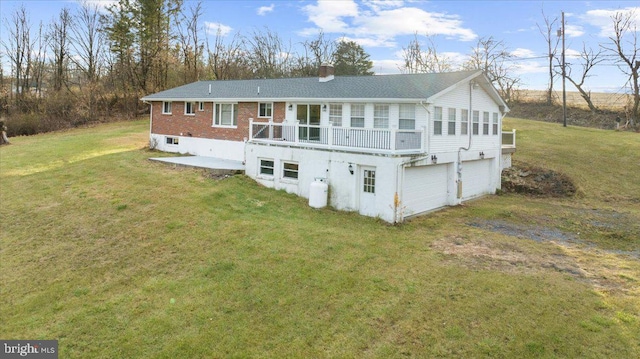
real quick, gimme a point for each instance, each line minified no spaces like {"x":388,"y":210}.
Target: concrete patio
{"x":202,"y":162}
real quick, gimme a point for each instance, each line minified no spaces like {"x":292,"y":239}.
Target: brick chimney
{"x":326,"y":72}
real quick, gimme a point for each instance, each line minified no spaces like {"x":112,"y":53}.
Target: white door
{"x":476,"y":178}
{"x":367,"y":189}
{"x":425,"y":188}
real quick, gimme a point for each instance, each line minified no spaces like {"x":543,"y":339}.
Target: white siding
{"x":459,"y":99}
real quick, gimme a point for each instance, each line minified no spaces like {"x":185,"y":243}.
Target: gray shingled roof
{"x":403,"y":86}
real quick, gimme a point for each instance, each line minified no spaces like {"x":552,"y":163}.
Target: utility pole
{"x":564,"y":76}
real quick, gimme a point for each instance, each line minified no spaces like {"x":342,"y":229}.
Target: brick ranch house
{"x":387,"y":146}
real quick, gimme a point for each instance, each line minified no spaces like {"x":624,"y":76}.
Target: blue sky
{"x":383,"y":28}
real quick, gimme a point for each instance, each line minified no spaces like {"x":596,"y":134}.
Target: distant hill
{"x":531,"y":104}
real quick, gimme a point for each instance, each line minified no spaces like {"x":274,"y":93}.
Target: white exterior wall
{"x":229,"y":150}
{"x":459,"y":99}
{"x":345,"y":188}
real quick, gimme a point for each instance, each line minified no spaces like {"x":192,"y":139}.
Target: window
{"x":381,"y":116}
{"x":357,"y":115}
{"x":172,"y":140}
{"x":452,"y":122}
{"x":407,"y":117}
{"x":266,"y":167}
{"x":189,"y":108}
{"x":226,"y":114}
{"x":290,"y":170}
{"x":369,"y":181}
{"x":476,"y":122}
{"x":437,"y":120}
{"x":495,"y":123}
{"x":335,"y":114}
{"x":200,"y":106}
{"x":464,"y":122}
{"x":166,"y":107}
{"x":265,"y":109}
{"x":485,"y":123}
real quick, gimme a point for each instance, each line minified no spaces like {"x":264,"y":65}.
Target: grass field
{"x":118,"y":257}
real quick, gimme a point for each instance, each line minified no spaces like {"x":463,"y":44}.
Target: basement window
{"x":266,"y":167}
{"x":172,"y":140}
{"x":290,"y":170}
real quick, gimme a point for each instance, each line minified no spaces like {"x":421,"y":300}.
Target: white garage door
{"x":425,"y":188}
{"x":476,"y":178}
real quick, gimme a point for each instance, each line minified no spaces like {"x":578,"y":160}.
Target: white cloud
{"x":263,"y":10}
{"x":385,"y":67}
{"x":573,"y":30}
{"x":215,"y":27}
{"x":523,"y":53}
{"x":530,"y":67}
{"x":601,"y":18}
{"x":328,"y":15}
{"x":378,"y":23}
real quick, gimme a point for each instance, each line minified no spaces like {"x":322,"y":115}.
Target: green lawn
{"x":119,"y":257}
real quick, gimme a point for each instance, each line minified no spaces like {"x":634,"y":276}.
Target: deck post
{"x":330,"y":135}
{"x":271,"y":129}
{"x":393,"y":146}
{"x":250,"y":128}
{"x":296,"y":131}
{"x":423,"y":138}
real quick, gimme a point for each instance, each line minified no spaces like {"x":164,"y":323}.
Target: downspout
{"x":469,"y":132}
{"x":402,"y":165}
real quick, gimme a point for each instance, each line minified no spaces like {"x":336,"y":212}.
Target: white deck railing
{"x":509,"y":138}
{"x":335,"y":137}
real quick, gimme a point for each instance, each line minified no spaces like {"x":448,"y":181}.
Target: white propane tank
{"x":318,"y":191}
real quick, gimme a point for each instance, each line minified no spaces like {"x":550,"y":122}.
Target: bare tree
{"x":419,"y":60}
{"x":268,"y":54}
{"x":18,"y":48}
{"x":58,"y":39}
{"x":190,"y":42}
{"x":624,"y":43}
{"x":316,"y":52}
{"x":588,"y":59}
{"x":227,"y":61}
{"x":38,"y":61}
{"x":552,"y":40}
{"x":88,"y":42}
{"x":492,"y":57}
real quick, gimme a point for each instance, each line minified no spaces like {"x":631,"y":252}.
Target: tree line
{"x":89,"y":65}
